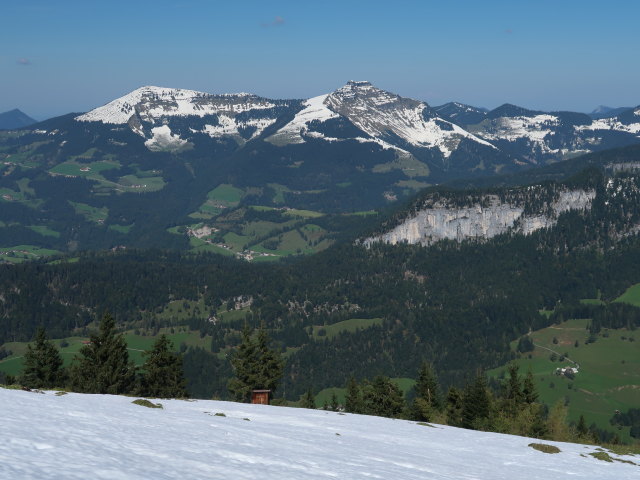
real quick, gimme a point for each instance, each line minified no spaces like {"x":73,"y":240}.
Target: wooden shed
{"x":260,"y":397}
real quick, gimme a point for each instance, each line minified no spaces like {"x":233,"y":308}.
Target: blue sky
{"x":67,"y":55}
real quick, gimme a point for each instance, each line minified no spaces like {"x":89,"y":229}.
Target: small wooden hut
{"x":260,"y":397}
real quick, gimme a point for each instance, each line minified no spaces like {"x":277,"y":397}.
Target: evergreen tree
{"x":334,"y":402}
{"x":308,"y":400}
{"x":103,"y":365}
{"x":382,"y":397}
{"x":529,"y":391}
{"x":476,"y":404}
{"x":163,"y":374}
{"x":42,"y":364}
{"x":557,"y":423}
{"x":454,"y":407}
{"x":256,"y":366}
{"x":353,"y":397}
{"x":427,"y":400}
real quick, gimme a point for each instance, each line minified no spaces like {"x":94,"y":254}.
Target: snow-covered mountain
{"x":76,"y":436}
{"x":361,"y":112}
{"x":542,"y":137}
{"x":239,"y":115}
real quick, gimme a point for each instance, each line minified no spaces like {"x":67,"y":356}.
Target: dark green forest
{"x":456,"y":305}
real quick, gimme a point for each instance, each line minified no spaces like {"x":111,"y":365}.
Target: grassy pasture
{"x":121,"y":228}
{"x":91,"y":171}
{"x":226,"y":195}
{"x":608,"y":377}
{"x":630,"y":296}
{"x":279,"y":190}
{"x":21,"y":253}
{"x":141,"y":183}
{"x":199,"y":245}
{"x":44,"y":231}
{"x":92,"y":214}
{"x":294,"y":212}
{"x":350,"y":326}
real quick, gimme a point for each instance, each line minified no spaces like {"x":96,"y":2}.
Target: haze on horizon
{"x":73,"y":56}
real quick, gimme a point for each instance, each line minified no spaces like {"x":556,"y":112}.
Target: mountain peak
{"x":15,"y":119}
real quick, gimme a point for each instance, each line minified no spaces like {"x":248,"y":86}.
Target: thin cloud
{"x":276,"y":22}
{"x":24,"y":61}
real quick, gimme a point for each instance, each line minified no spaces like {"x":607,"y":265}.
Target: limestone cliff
{"x":485,"y":217}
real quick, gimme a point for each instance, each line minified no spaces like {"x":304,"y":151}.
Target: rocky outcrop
{"x":482,"y":220}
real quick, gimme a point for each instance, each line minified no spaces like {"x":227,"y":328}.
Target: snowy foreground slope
{"x":107,"y":437}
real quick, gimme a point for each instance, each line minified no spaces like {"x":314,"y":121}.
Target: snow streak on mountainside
{"x":292,"y":132}
{"x":77,"y":436}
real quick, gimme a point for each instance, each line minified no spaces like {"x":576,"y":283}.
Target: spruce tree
{"x":382,"y":397}
{"x":255,"y":365}
{"x":353,"y":397}
{"x":454,"y":407}
{"x":476,"y":404}
{"x":427,"y":400}
{"x":103,"y":365}
{"x":308,"y":400}
{"x":42,"y":364}
{"x":163,"y":374}
{"x":334,"y":402}
{"x":529,"y":391}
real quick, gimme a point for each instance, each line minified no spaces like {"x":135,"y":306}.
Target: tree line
{"x":103,"y":366}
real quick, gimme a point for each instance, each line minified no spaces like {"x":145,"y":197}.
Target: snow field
{"x":107,"y":437}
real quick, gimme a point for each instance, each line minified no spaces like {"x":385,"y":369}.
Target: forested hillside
{"x":457,"y":305}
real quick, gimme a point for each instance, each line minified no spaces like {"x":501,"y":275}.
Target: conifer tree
{"x":334,"y":402}
{"x":476,"y":404}
{"x":382,"y":397}
{"x":427,"y":400}
{"x":42,"y":364}
{"x":513,"y":388}
{"x":529,"y":391}
{"x":256,"y":366}
{"x":308,"y":400}
{"x":353,"y":397}
{"x":454,"y":407}
{"x":103,"y":365}
{"x":557,"y":423}
{"x":163,"y":374}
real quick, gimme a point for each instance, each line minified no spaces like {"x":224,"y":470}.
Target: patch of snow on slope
{"x":292,"y":132}
{"x":610,"y":124}
{"x":76,"y":436}
{"x":226,"y":126}
{"x":164,"y":139}
{"x":535,"y":129}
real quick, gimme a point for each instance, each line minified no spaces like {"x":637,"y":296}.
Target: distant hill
{"x":15,"y":119}
{"x":607,"y":112}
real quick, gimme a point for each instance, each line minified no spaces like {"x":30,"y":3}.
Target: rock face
{"x":482,"y":220}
